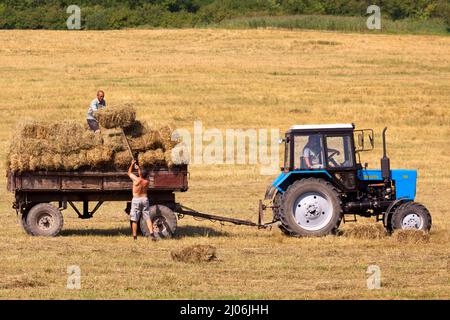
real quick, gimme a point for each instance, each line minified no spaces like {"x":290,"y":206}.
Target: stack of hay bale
{"x":70,"y":146}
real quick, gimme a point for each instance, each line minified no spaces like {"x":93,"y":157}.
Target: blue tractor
{"x":323,"y":181}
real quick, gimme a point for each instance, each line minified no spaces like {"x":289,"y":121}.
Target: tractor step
{"x":354,"y":219}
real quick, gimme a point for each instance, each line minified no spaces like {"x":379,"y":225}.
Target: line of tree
{"x":114,"y":14}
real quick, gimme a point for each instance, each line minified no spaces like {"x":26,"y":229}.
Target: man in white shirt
{"x":95,"y":105}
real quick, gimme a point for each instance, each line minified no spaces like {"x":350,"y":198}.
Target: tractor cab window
{"x":339,"y":152}
{"x":309,"y":152}
{"x":287,"y":153}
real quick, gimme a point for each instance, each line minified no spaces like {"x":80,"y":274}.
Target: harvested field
{"x":366,"y":231}
{"x":411,"y":236}
{"x":239,"y":79}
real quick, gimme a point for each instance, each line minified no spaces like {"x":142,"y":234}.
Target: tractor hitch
{"x":183,"y":210}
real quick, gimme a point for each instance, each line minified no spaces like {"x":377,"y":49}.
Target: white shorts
{"x":140,"y":206}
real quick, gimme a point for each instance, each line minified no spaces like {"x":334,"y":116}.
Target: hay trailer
{"x":40,"y":198}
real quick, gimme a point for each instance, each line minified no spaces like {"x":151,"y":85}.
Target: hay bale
{"x":70,"y":142}
{"x":98,"y":156}
{"x":122,"y":159}
{"x":113,"y":117}
{"x":165,"y":133}
{"x":195,"y":254}
{"x":148,"y":141}
{"x":151,"y":158}
{"x":69,"y":134}
{"x":136,"y":129}
{"x":68,"y":145}
{"x":34,"y":129}
{"x":50,"y":146}
{"x":168,"y":158}
{"x":412,"y":236}
{"x":64,"y":137}
{"x":366,"y":231}
{"x":57,"y":162}
{"x":115,"y":143}
{"x":75,"y":161}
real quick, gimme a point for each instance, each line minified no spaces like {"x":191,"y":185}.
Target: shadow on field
{"x":196,"y":231}
{"x":181,"y":232}
{"x":95,"y":232}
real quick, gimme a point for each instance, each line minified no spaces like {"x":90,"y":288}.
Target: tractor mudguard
{"x":270,"y":192}
{"x":284,"y":180}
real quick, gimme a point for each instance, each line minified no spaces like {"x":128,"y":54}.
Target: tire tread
{"x":285,"y":227}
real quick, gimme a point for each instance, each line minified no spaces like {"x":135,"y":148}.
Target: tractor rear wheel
{"x":411,"y":215}
{"x":44,"y":219}
{"x":164,"y":222}
{"x":310,"y":207}
{"x":276,"y":212}
{"x":276,"y":206}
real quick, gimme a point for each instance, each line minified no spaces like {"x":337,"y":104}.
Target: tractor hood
{"x":404,"y":180}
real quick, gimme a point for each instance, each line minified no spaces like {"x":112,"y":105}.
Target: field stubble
{"x":233,"y":79}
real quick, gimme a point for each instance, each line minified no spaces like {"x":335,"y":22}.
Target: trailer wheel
{"x":411,"y":215}
{"x":23,"y":217}
{"x":310,"y":207}
{"x":23,"y":223}
{"x":164,"y":222}
{"x":44,"y":219}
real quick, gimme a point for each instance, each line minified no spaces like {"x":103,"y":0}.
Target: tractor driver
{"x":312,"y":152}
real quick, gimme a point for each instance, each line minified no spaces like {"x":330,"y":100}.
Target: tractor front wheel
{"x":411,"y":215}
{"x":310,"y":207}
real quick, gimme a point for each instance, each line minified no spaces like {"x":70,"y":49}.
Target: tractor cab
{"x":322,"y":180}
{"x":324,"y":150}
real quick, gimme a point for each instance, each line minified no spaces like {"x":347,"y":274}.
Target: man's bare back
{"x":140,"y":187}
{"x":140,"y":204}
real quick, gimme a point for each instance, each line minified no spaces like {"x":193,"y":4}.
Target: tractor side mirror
{"x":282,"y":140}
{"x":361,"y":140}
{"x":370,"y":135}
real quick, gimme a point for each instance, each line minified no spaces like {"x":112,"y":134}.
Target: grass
{"x":232,"y":79}
{"x":338,"y":23}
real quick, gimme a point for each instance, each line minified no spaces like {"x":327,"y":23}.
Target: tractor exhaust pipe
{"x":385,"y":162}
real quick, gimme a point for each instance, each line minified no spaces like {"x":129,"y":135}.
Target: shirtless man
{"x":140,"y":204}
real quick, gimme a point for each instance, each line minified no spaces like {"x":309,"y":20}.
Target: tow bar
{"x":183,"y":210}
